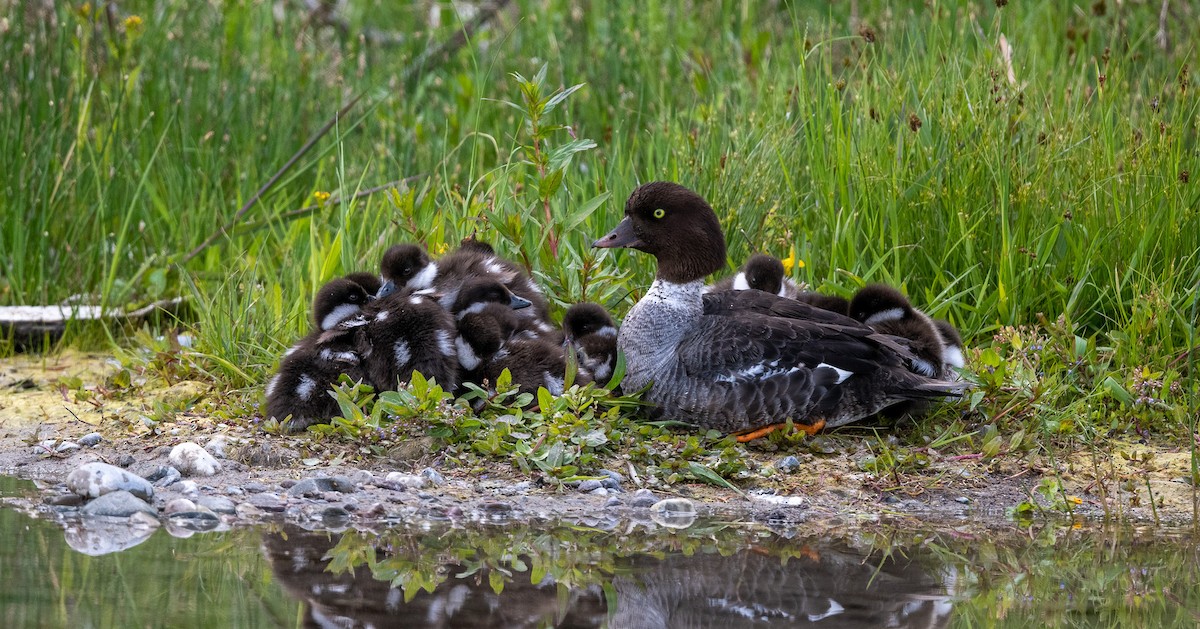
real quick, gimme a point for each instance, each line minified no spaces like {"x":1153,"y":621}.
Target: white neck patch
{"x":670,"y":292}
{"x":337,"y":315}
{"x":424,"y":279}
{"x":474,"y":308}
{"x":607,"y":330}
{"x":883,"y":316}
{"x":953,"y":356}
{"x":739,"y":281}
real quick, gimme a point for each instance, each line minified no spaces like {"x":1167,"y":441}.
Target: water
{"x":712,"y":574}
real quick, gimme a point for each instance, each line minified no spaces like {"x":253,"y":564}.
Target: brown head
{"x":676,"y":226}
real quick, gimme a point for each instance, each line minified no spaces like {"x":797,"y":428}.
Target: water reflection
{"x":503,"y":578}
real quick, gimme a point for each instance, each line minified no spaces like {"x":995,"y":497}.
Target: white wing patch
{"x":424,"y":279}
{"x":403,"y":353}
{"x":761,"y":371}
{"x":272,"y":383}
{"x":466,"y":354}
{"x":952,"y":355}
{"x":842,"y":373}
{"x":445,"y":343}
{"x":739,"y":281}
{"x":306,"y":387}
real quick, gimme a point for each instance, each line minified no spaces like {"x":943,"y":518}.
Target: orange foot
{"x":751,"y":435}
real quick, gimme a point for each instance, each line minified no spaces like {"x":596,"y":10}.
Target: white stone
{"x":95,"y":479}
{"x":192,"y":460}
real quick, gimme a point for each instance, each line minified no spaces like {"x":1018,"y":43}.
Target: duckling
{"x":491,"y":339}
{"x":953,"y":357}
{"x":889,"y":312}
{"x":403,"y":332}
{"x":299,"y":389}
{"x":406,"y":266}
{"x":765,"y":273}
{"x":591,"y":331}
{"x":733,"y":365}
{"x":369,"y":281}
{"x":463,"y":263}
{"x":481,"y":334}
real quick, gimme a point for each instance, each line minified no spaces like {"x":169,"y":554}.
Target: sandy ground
{"x":1124,"y":481}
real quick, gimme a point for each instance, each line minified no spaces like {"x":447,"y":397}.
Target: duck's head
{"x":878,"y":303}
{"x":406,"y":265}
{"x":477,"y":292}
{"x":369,"y":281}
{"x":586,"y":318}
{"x":336,"y":301}
{"x":676,"y":226}
{"x":763,"y":272}
{"x":471,"y":243}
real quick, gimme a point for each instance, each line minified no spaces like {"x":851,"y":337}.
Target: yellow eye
{"x":659,"y":213}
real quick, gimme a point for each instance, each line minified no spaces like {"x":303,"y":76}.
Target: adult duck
{"x":742,"y":361}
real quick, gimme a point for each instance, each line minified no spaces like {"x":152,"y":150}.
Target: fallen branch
{"x":27,"y":324}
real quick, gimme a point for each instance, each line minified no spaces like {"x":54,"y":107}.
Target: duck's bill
{"x":517,"y":302}
{"x":388,"y":288}
{"x":621,"y":236}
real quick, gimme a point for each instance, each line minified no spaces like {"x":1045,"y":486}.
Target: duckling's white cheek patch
{"x":607,"y":330}
{"x":425,"y":278}
{"x":841,"y":373}
{"x":883,"y":316}
{"x":740,"y":283}
{"x":466,"y":355}
{"x":403,"y":353}
{"x":445,"y":343}
{"x":474,"y":308}
{"x":337,"y":315}
{"x":307,"y":385}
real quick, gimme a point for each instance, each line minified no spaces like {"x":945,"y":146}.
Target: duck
{"x":298,"y":393}
{"x":886,"y":310}
{"x":765,"y":272}
{"x":406,"y":266}
{"x":742,"y":362}
{"x":589,"y":329}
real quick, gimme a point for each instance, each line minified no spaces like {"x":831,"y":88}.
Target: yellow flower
{"x":133,"y":24}
{"x":442,"y":248}
{"x":85,"y":10}
{"x":792,"y":262}
{"x":321,"y":196}
{"x":1074,"y":500}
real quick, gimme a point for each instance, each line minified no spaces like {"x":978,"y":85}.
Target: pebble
{"x":496,"y":509}
{"x":188,"y":522}
{"x":255,"y":488}
{"x":433,"y":476}
{"x":783,"y":501}
{"x":96,"y":537}
{"x":409,"y":481}
{"x":66,"y":446}
{"x":179,"y":505}
{"x":169,"y":476}
{"x":963,"y":500}
{"x":267,"y":502}
{"x":234,"y":490}
{"x":118,"y":504}
{"x":675,"y":513}
{"x":63,"y":500}
{"x":613,"y":502}
{"x":186,"y":487}
{"x":92,"y":480}
{"x":192,"y":460}
{"x":91,"y":439}
{"x":314,"y":487}
{"x":217,"y":446}
{"x":788,"y":464}
{"x":126,"y":460}
{"x":643,"y":499}
{"x":599,"y":491}
{"x":217,"y":504}
{"x":334,"y":513}
{"x":590,"y":485}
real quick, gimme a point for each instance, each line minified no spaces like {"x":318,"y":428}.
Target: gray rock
{"x":217,"y":446}
{"x":675,"y":513}
{"x":643,"y":499}
{"x":117,"y":504}
{"x":179,"y":505}
{"x":963,"y":500}
{"x":334,"y":513}
{"x":63,"y":500}
{"x":94,"y":536}
{"x":234,"y":490}
{"x":66,"y":446}
{"x":186,"y":487}
{"x":409,"y":481}
{"x":314,"y":487}
{"x":616,"y":478}
{"x":217,"y":504}
{"x":599,"y":491}
{"x":126,"y":460}
{"x":91,"y":439}
{"x":192,"y":460}
{"x":613,"y":502}
{"x":255,"y":488}
{"x":95,"y":479}
{"x":170,"y":476}
{"x":589,"y":486}
{"x":433,"y":476}
{"x":267,"y":502}
{"x":788,"y":464}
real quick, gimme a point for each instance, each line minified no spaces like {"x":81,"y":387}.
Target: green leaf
{"x":333,"y":258}
{"x":1118,"y":391}
{"x":584,"y":211}
{"x":550,"y":184}
{"x":560,"y":97}
{"x":704,"y":474}
{"x":561,"y":156}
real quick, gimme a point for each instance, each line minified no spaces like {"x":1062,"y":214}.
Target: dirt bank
{"x":43,"y":415}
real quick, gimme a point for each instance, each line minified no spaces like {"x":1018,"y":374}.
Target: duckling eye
{"x":659,"y":213}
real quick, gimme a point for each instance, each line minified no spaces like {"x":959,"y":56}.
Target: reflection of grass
{"x":1057,"y":178}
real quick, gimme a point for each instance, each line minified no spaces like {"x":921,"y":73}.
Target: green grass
{"x":1051,"y":215}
